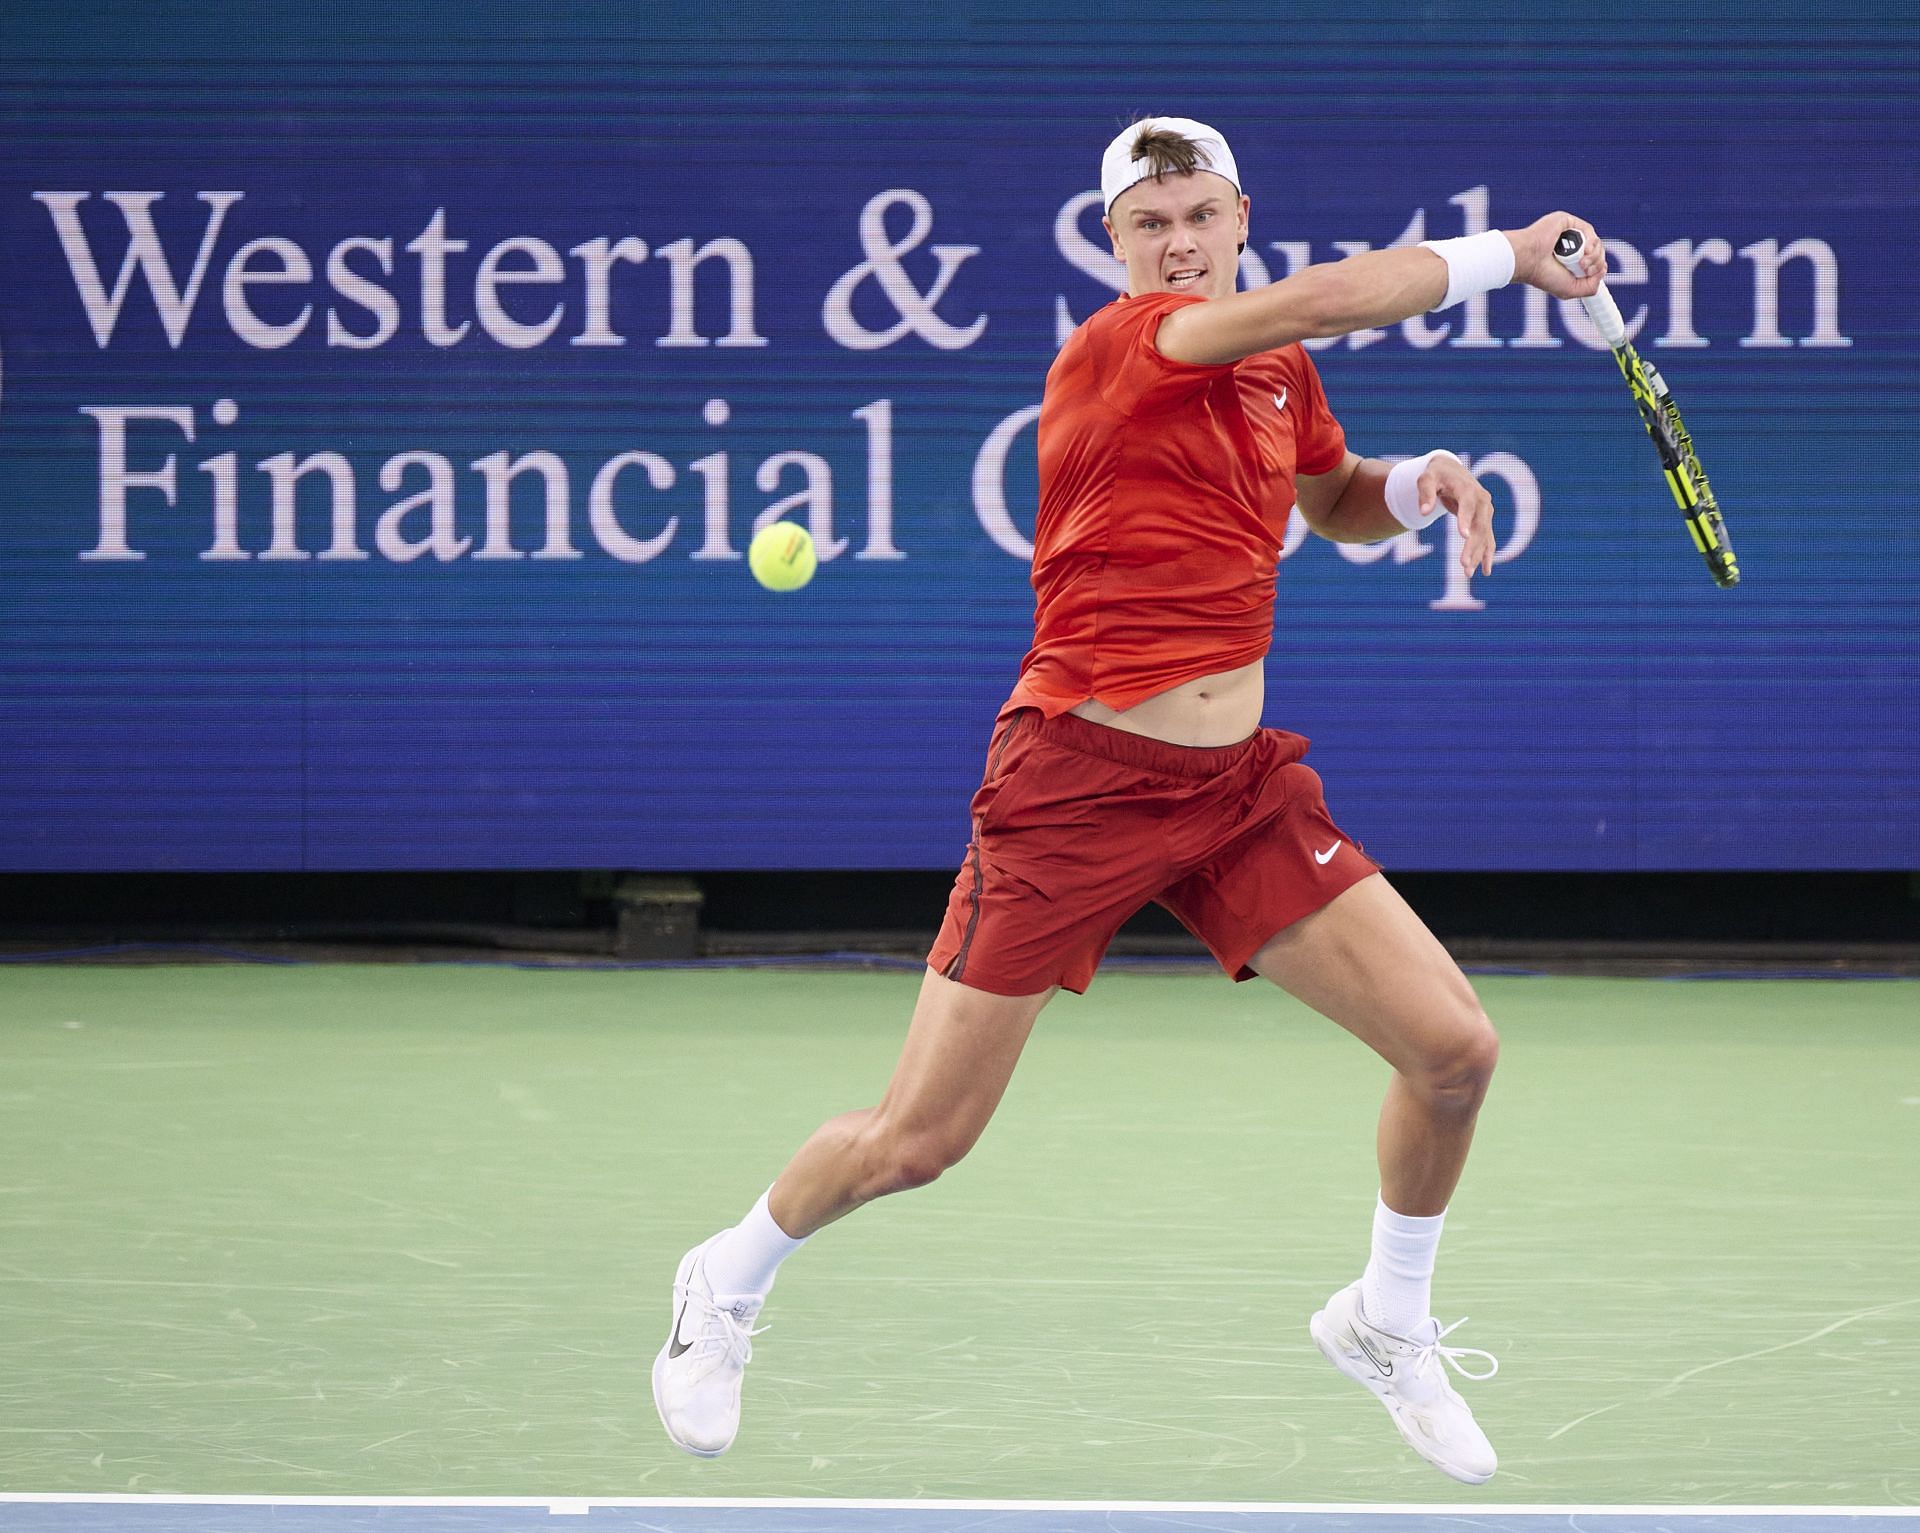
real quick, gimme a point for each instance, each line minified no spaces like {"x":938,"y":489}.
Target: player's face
{"x":1180,"y":234}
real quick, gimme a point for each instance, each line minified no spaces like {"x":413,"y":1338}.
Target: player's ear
{"x":1246,"y":206}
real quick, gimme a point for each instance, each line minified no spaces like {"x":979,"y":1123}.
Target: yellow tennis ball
{"x":782,"y":557}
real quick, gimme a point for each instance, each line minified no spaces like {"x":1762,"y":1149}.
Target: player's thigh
{"x":960,"y":1053}
{"x":1366,"y":961}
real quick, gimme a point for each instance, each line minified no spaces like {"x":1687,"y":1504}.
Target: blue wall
{"x":613,"y":690}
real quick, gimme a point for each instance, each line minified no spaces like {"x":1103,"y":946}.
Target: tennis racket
{"x":1661,"y":416}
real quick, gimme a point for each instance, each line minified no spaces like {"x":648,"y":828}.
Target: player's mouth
{"x":1182,"y":278}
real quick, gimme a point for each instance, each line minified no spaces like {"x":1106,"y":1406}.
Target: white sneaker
{"x":696,"y":1377}
{"x":1409,"y":1374}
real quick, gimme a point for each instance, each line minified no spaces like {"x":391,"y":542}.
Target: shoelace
{"x":719,"y":1327}
{"x":1451,"y":1355}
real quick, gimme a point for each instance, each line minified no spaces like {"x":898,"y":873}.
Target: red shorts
{"x":1077,"y":825}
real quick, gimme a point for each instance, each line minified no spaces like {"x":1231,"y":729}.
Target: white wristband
{"x":1477,"y":263}
{"x":1403,"y":491}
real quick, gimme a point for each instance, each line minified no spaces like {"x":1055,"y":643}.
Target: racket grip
{"x":1601,"y":308}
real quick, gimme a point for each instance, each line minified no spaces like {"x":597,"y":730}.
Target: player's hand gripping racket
{"x":1661,"y":416}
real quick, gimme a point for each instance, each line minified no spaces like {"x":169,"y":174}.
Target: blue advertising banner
{"x":388,"y":395}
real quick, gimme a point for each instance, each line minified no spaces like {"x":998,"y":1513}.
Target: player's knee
{"x":901,"y":1161}
{"x":1456,"y":1078}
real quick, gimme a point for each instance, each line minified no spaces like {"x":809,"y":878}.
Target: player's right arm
{"x":1376,"y":288}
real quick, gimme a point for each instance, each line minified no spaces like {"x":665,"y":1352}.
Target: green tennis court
{"x":409,"y":1230}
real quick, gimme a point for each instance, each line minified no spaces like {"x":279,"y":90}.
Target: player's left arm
{"x":1348,"y":504}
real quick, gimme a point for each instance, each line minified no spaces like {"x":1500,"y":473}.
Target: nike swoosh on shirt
{"x":1323,"y":858}
{"x":1280,"y":400}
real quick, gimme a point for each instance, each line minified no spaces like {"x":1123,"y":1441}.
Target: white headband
{"x":1120,"y":170}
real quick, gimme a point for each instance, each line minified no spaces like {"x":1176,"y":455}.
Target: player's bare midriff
{"x":1221,"y":709}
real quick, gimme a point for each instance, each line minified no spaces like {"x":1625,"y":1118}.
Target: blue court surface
{"x":216,"y":1514}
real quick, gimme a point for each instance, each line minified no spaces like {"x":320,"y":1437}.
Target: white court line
{"x":576,"y":1505}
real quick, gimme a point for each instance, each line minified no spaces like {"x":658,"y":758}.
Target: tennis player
{"x":1180,"y":425}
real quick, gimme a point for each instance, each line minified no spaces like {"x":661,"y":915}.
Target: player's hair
{"x":1167,"y":153}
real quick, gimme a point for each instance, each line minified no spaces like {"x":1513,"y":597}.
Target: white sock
{"x":1396,"y":1290}
{"x":745,"y":1258}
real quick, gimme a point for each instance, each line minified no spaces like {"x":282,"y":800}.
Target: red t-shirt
{"x":1164,"y":493}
